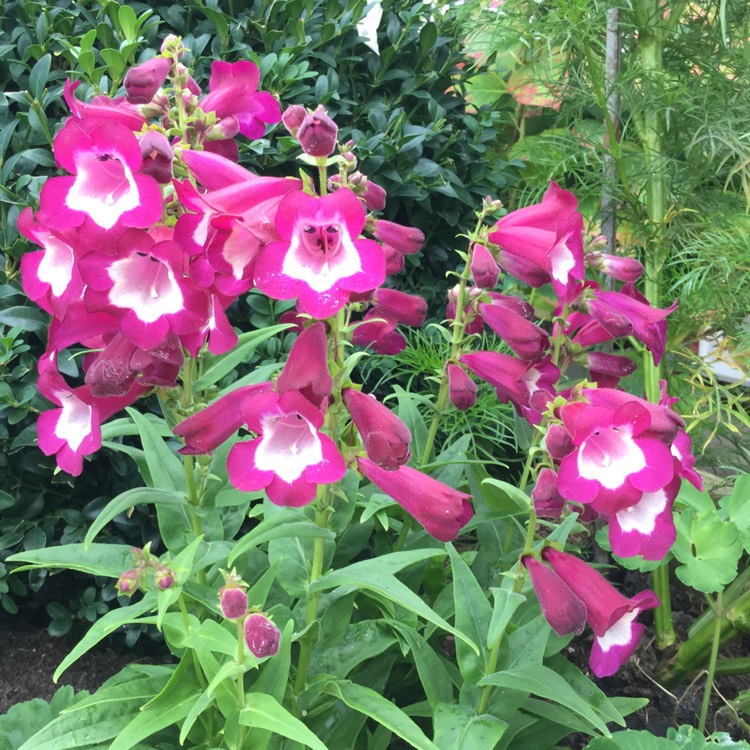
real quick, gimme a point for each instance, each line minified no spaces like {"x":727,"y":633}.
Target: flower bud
{"x":157,"y":156}
{"x":617,"y":266}
{"x":405,"y":239}
{"x":261,"y":635}
{"x":143,"y":81}
{"x":293,"y":118}
{"x":548,"y":502}
{"x":317,"y":133}
{"x":462,"y":390}
{"x":128,"y":582}
{"x":163,"y":577}
{"x":484,"y":269}
{"x":172,"y":43}
{"x":374,"y":196}
{"x":394,"y":260}
{"x":233,"y":602}
{"x":558,"y":441}
{"x":409,"y":309}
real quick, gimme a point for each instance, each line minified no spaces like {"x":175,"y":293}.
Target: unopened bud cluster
{"x":131,"y":580}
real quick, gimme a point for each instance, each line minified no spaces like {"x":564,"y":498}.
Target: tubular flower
{"x":562,"y":609}
{"x":233,"y":91}
{"x":378,"y":331}
{"x":319,"y":259}
{"x":548,"y":502}
{"x":617,"y":266}
{"x":611,"y":615}
{"x":142,"y":81}
{"x":462,"y":390}
{"x":106,"y":188}
{"x":385,"y":436}
{"x":617,"y":456}
{"x":484,"y":268}
{"x":290,"y":456}
{"x":528,"y":341}
{"x":317,"y":133}
{"x":306,"y":369}
{"x":442,"y":510}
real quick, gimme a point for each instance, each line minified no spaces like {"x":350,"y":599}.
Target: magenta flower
{"x":102,"y":109}
{"x":529,"y":386}
{"x":306,"y":369}
{"x":548,"y":235}
{"x":628,"y":313}
{"x":142,"y":81}
{"x":206,"y":430}
{"x":261,"y":635}
{"x":646,"y":528}
{"x":442,"y":510}
{"x":290,"y":456}
{"x":157,"y":156}
{"x":484,"y":268}
{"x":144,"y":286}
{"x":617,"y":457}
{"x":616,"y":266}
{"x":548,"y":502}
{"x":462,"y":390}
{"x":527,"y":340}
{"x":378,"y":332}
{"x":385,"y":436}
{"x":106,"y":188}
{"x":562,"y":609}
{"x":409,"y":309}
{"x":319,"y":259}
{"x":607,"y":369}
{"x":317,"y":133}
{"x":611,"y":615}
{"x":406,"y":240}
{"x":233,"y":91}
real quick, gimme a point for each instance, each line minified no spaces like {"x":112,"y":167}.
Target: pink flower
{"x":157,"y":156}
{"x":607,"y":369}
{"x":106,"y":188}
{"x":527,"y":385}
{"x":549,"y":235}
{"x":616,"y":266}
{"x":233,"y":602}
{"x":617,"y":457}
{"x":319,"y":259}
{"x":611,"y":615}
{"x":406,"y":240}
{"x":142,"y":81}
{"x":378,"y":332}
{"x":548,"y":502}
{"x":409,"y":309}
{"x":103,"y":109}
{"x":385,"y":436}
{"x":261,"y":635}
{"x":206,"y":430}
{"x":293,"y":117}
{"x":234,"y":92}
{"x":290,"y":456}
{"x":317,"y":133}
{"x":306,"y":369}
{"x":442,"y":510}
{"x":646,"y":528}
{"x":462,"y":390}
{"x":527,"y":340}
{"x":562,"y":609}
{"x":484,"y":268}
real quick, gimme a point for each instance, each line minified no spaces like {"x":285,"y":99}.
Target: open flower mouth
{"x":610,"y":456}
{"x":74,"y":424}
{"x":288,"y":446}
{"x":145,"y":285}
{"x":321,"y":255}
{"x":104,"y":188}
{"x":56,"y":266}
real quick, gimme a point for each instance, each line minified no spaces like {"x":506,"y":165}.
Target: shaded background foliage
{"x":404,"y":107}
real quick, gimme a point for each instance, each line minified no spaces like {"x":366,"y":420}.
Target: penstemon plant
{"x":295,"y":497}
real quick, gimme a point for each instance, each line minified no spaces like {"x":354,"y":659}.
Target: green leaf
{"x":432,"y":672}
{"x":375,"y":575}
{"x":504,"y":497}
{"x":128,"y":22}
{"x":473,"y":614}
{"x":109,"y":560}
{"x":277,"y":527}
{"x":26,"y":318}
{"x":361,"y":641}
{"x":38,"y":77}
{"x":506,"y":604}
{"x":127,"y":500}
{"x":410,"y":415}
{"x":105,"y":625}
{"x":460,"y":728}
{"x":246,"y":346}
{"x":708,"y":548}
{"x":115,"y":63}
{"x":165,"y":468}
{"x":374,"y":705}
{"x":739,"y":508}
{"x":630,"y":740}
{"x":545,"y":683}
{"x":266,"y":712}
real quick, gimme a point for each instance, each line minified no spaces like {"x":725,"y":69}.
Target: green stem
{"x":711,"y":666}
{"x":241,"y":680}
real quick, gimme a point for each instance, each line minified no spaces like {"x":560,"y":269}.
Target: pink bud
{"x":261,"y":635}
{"x":394,"y":260}
{"x":484,"y":269}
{"x":548,"y":503}
{"x":128,"y":582}
{"x":374,"y":196}
{"x":405,"y":239}
{"x":616,"y":266}
{"x":317,"y":133}
{"x":233,"y":602}
{"x":157,"y":156}
{"x":462,"y":390}
{"x":143,"y":81}
{"x":163,"y":577}
{"x":293,"y":118}
{"x":409,"y":309}
{"x":562,"y":609}
{"x":558,"y":441}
